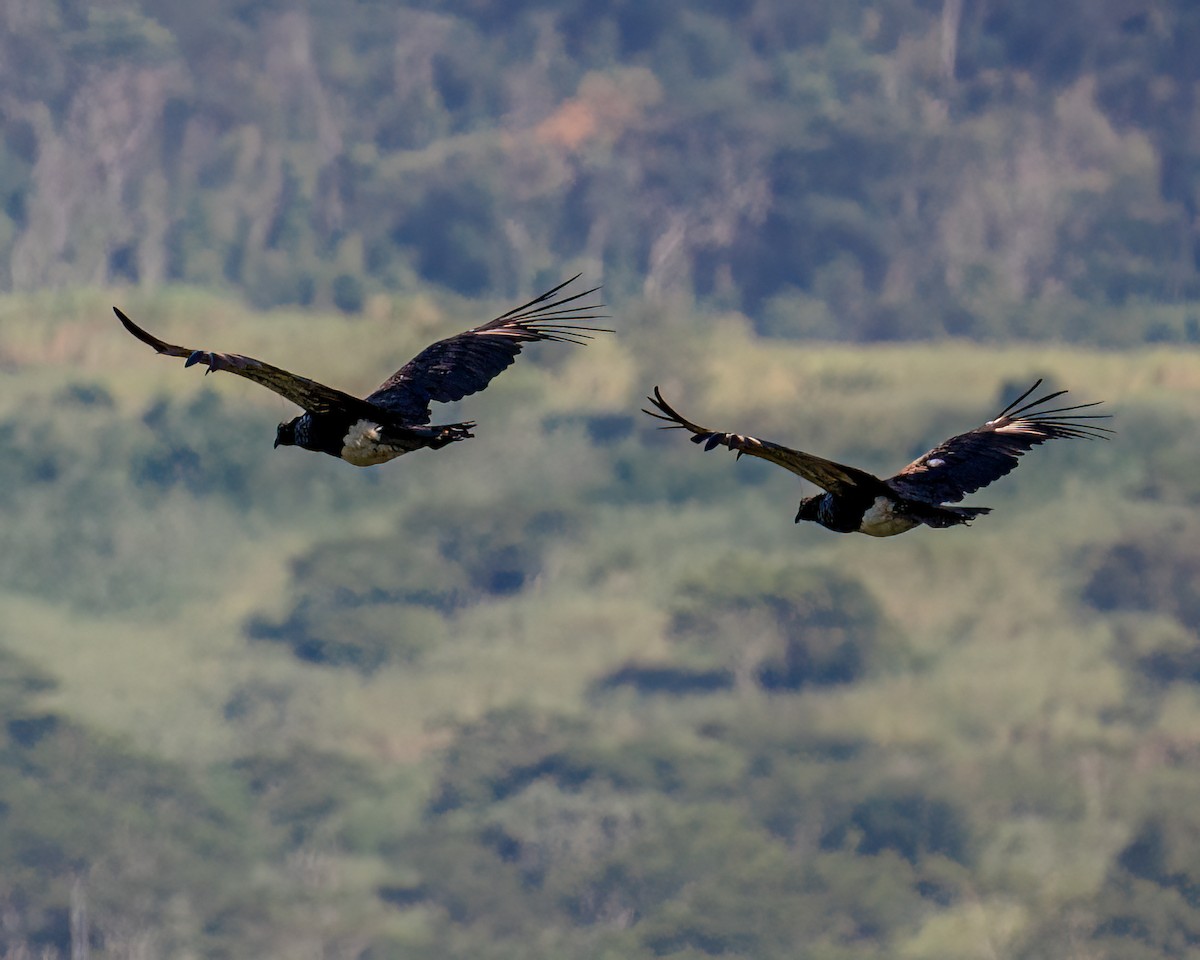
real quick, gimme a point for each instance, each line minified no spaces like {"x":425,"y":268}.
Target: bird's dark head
{"x":808,"y":508}
{"x":285,"y":433}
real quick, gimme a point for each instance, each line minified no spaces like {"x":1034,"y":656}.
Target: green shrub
{"x":1149,"y":904}
{"x":502,"y":753}
{"x":348,"y":293}
{"x":1153,"y":580}
{"x":366,"y":602}
{"x":364,"y":636}
{"x":781,"y":626}
{"x":906,"y":821}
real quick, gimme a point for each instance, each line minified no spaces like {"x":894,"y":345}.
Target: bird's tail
{"x":946,"y":516}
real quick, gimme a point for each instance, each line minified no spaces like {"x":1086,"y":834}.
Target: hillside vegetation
{"x":845,"y":169}
{"x":575,"y":688}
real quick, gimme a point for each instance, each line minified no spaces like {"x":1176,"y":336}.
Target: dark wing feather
{"x":965,"y":463}
{"x":301,"y":391}
{"x":464,"y":364}
{"x":833,"y":477}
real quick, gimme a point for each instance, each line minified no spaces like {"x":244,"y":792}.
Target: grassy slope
{"x":1007,"y":660}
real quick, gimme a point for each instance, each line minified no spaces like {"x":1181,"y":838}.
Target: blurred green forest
{"x":576,"y":690}
{"x":843,"y":169}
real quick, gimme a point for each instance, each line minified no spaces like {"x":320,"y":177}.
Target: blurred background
{"x":577,"y":690}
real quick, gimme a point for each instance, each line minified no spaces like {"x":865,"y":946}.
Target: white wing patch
{"x":1016,"y":426}
{"x":363,"y":446}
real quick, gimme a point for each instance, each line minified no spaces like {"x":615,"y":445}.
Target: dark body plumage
{"x":922,"y":493}
{"x":395,"y":418}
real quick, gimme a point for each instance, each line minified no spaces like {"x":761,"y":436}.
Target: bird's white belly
{"x":881,"y":520}
{"x":363,"y":446}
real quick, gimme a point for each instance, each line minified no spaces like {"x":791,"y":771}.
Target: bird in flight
{"x":924,"y":491}
{"x":395,"y":418}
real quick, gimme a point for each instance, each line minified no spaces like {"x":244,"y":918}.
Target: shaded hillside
{"x":836,"y":169}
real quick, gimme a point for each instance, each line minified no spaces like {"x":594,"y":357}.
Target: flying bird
{"x":395,"y":418}
{"x":924,"y":491}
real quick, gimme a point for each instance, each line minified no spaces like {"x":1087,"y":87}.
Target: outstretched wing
{"x":303,"y":392}
{"x":965,"y":463}
{"x":826,"y":474}
{"x":464,"y":364}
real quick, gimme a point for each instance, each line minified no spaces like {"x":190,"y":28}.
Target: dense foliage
{"x":834,"y":168}
{"x":576,"y":688}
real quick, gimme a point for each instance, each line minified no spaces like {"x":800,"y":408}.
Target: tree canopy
{"x":848,"y":170}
